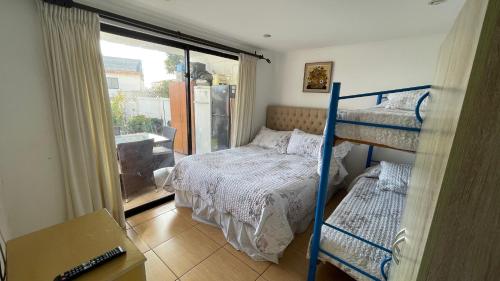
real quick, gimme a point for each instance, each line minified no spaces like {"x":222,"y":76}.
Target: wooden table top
{"x":44,"y":254}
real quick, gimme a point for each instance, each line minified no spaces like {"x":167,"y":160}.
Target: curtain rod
{"x":153,"y":28}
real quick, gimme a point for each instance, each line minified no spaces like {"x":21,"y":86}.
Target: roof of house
{"x":122,"y":64}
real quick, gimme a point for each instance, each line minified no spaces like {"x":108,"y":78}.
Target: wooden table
{"x":140,"y":137}
{"x":41,"y":255}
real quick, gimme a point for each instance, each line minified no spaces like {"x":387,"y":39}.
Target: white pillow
{"x":268,"y":138}
{"x":394,"y":177}
{"x":339,"y":153}
{"x":406,"y":101}
{"x":372,"y":172}
{"x":302,"y":143}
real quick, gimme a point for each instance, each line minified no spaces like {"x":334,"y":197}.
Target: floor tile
{"x":292,"y":267}
{"x":161,"y":228}
{"x":156,"y":270}
{"x":258,"y":266}
{"x":261,"y":279}
{"x":186,"y":250}
{"x":221,"y":266}
{"x":328,"y":272}
{"x":213,"y":233}
{"x":186,"y":213}
{"x":301,"y":241}
{"x":152,"y":213}
{"x":139,"y":243}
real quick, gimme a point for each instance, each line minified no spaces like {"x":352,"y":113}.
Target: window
{"x":112,"y":83}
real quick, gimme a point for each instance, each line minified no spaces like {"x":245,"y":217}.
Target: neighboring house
{"x":123,"y":74}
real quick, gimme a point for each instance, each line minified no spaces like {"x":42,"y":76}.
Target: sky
{"x":153,"y":62}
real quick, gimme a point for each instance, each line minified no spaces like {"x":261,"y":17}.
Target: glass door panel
{"x":214,"y":81}
{"x":147,"y":92}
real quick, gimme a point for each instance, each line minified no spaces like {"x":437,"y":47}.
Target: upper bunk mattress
{"x":405,"y":140}
{"x":370,"y":213}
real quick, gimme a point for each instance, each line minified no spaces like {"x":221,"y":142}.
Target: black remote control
{"x":91,"y":264}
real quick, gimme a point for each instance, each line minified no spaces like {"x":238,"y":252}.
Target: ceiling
{"x":293,"y":24}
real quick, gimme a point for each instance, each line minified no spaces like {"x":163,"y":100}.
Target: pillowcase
{"x":339,"y":153}
{"x":406,"y":101}
{"x":372,"y":172}
{"x":305,"y":144}
{"x":394,"y":177}
{"x":272,"y":139}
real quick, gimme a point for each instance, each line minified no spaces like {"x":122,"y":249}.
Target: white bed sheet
{"x":405,"y":140}
{"x":259,"y":197}
{"x":369,"y":213}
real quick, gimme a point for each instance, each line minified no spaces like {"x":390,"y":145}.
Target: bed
{"x":259,"y":197}
{"x":367,"y":212}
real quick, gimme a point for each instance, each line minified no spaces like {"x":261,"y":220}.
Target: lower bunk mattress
{"x":367,"y":212}
{"x":404,"y":140}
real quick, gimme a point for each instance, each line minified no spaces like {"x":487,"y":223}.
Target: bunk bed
{"x":363,"y":250}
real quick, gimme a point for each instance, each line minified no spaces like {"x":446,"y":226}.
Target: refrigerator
{"x":212,"y":105}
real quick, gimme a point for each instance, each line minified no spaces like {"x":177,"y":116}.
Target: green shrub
{"x":118,"y":109}
{"x":141,"y":123}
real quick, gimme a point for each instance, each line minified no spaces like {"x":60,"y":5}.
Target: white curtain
{"x":245,"y":101}
{"x":81,"y":111}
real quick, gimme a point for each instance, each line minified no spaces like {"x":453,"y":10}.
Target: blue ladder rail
{"x":323,"y":182}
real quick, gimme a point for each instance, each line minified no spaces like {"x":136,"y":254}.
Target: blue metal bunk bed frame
{"x":327,"y":154}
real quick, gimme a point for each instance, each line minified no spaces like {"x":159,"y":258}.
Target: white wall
{"x":265,"y":88}
{"x":29,"y":162}
{"x":360,"y":68}
{"x":150,"y":107}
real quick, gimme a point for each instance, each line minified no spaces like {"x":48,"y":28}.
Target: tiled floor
{"x":181,"y":249}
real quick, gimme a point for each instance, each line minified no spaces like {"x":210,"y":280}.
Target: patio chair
{"x":164,"y":154}
{"x":136,"y":166}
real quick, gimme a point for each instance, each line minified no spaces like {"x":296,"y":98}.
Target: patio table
{"x":140,"y":137}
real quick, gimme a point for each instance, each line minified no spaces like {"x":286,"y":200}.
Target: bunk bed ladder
{"x":323,"y":182}
{"x":370,"y":148}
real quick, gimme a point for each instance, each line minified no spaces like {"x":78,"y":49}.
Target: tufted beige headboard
{"x":287,"y":118}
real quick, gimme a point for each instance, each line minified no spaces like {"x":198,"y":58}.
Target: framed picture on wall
{"x":318,"y":77}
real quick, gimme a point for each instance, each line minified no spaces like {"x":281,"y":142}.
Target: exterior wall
{"x":126,"y":82}
{"x":149,"y":107}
